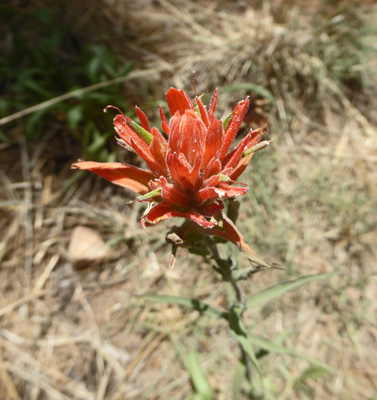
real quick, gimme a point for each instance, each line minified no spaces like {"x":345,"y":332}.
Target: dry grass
{"x":69,"y":334}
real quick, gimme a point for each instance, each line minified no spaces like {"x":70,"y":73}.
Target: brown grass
{"x":69,"y":334}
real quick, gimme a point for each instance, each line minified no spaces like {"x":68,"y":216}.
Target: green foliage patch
{"x":50,"y":57}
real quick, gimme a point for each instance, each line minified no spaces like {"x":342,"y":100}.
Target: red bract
{"x":191,"y":168}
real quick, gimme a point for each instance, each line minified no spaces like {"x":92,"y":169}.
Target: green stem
{"x":245,"y":357}
{"x":225,"y":269}
{"x":238,"y":290}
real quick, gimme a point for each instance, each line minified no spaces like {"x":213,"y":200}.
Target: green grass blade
{"x":271,"y":346}
{"x":198,"y":379}
{"x":312,"y":372}
{"x":239,"y":332}
{"x":194,"y":304}
{"x":256,"y":372}
{"x":243,"y":341}
{"x":196,"y":396}
{"x":277,"y":290}
{"x":238,"y":378}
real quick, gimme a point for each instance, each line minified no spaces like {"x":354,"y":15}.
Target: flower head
{"x":192,"y":167}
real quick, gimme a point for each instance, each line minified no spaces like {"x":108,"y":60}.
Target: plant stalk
{"x":246,"y":359}
{"x":225,"y":268}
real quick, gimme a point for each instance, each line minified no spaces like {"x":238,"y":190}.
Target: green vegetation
{"x":50,"y":57}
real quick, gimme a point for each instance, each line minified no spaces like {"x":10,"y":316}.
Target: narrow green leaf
{"x":144,"y":134}
{"x":125,"y":69}
{"x":227,"y":120}
{"x":224,"y":178}
{"x":149,"y":195}
{"x":35,"y":120}
{"x":259,"y":146}
{"x":272,"y":346}
{"x":34,"y":86}
{"x":196,"y":396}
{"x":257,"y":376}
{"x":272,"y":292}
{"x":242,"y":340}
{"x":313,"y":372}
{"x":97,"y":143}
{"x":242,"y":273}
{"x":198,"y":379}
{"x":74,"y":116}
{"x":194,"y":304}
{"x":238,"y":377}
{"x":239,"y":332}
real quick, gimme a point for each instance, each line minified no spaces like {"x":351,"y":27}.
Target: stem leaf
{"x":198,"y":379}
{"x":312,"y":372}
{"x":238,"y":378}
{"x":239,"y":332}
{"x":272,"y":346}
{"x":194,"y":304}
{"x":257,"y":376}
{"x":272,"y":292}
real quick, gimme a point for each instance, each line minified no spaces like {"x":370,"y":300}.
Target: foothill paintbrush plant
{"x":193,"y":172}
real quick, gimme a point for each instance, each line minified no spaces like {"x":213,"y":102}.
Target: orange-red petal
{"x":179,"y":171}
{"x":234,"y":156}
{"x":147,"y":156}
{"x":209,"y":194}
{"x":212,"y":168}
{"x":233,"y":191}
{"x":164,"y":122}
{"x":173,"y":194}
{"x":143,"y":119}
{"x":133,"y":178}
{"x":213,"y":140}
{"x":212,"y":209}
{"x":193,"y":133}
{"x":241,"y":165}
{"x":227,"y":230}
{"x":163,"y":211}
{"x":215,"y":95}
{"x":158,"y":152}
{"x":203,"y":112}
{"x":234,"y":125}
{"x":126,"y":132}
{"x":178,"y":101}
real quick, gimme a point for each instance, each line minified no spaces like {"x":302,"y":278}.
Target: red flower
{"x":191,"y":169}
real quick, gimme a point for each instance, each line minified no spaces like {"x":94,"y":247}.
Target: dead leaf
{"x":86,"y":248}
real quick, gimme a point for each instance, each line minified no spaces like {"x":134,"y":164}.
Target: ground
{"x":87,"y":333}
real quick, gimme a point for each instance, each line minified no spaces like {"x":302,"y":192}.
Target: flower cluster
{"x":191,"y":167}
